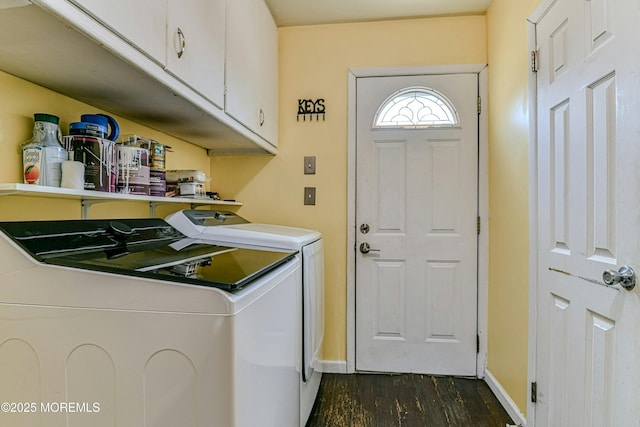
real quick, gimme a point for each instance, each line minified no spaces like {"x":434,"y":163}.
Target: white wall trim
{"x":483,"y":197}
{"x":533,"y":209}
{"x":333,"y":366}
{"x":483,"y":212}
{"x":351,"y":225}
{"x":541,"y":11}
{"x":417,"y":71}
{"x":507,"y":403}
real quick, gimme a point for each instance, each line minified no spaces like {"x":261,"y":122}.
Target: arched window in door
{"x":416,"y":107}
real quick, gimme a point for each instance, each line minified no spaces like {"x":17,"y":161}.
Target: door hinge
{"x":535,"y":60}
{"x":479,"y":221}
{"x":477,"y":344}
{"x":534,"y":392}
{"x":479,"y":104}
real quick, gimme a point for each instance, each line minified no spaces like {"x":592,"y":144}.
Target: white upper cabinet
{"x":142,"y":24}
{"x":267,"y":75}
{"x":195,"y":45}
{"x":241,"y":62}
{"x":185,"y":36}
{"x":252,"y":67}
{"x":160,"y":63}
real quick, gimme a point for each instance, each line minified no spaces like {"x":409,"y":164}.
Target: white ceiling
{"x":310,"y":12}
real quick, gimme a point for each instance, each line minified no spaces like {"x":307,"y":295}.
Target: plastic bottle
{"x":42,"y":157}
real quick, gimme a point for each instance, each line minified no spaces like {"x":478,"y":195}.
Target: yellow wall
{"x":19,"y":101}
{"x":509,"y":195}
{"x":313,"y":64}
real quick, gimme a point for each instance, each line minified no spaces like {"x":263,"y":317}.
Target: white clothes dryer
{"x":223,"y":227}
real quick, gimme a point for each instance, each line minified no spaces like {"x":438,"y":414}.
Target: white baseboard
{"x":333,"y":366}
{"x":509,"y":405}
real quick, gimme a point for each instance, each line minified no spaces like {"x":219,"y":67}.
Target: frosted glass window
{"x":416,"y":107}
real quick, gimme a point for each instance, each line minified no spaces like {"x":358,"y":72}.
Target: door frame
{"x":532,"y":43}
{"x":483,"y":198}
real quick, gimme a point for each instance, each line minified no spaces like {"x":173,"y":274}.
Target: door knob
{"x":365,"y":248}
{"x":625,"y":276}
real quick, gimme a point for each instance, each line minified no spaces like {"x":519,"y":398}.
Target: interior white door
{"x":416,"y":208}
{"x":587,"y":369}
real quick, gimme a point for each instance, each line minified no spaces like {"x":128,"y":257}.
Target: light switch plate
{"x":310,"y":165}
{"x":309,"y":195}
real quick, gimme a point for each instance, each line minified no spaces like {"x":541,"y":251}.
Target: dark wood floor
{"x":412,"y":400}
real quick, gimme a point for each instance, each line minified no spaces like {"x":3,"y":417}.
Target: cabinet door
{"x":143,"y":24}
{"x":267,"y":77}
{"x":195,"y":45}
{"x":252,"y":67}
{"x":241,"y":101}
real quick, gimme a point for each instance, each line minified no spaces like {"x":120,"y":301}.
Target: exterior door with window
{"x":416,"y":213}
{"x":588,"y":214}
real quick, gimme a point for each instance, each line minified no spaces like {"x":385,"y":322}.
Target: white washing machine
{"x":130,"y":323}
{"x":228,"y":228}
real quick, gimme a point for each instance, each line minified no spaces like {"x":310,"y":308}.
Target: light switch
{"x":309,"y":195}
{"x":310,"y":165}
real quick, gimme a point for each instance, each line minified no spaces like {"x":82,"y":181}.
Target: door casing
{"x":483,"y":201}
{"x":533,"y":208}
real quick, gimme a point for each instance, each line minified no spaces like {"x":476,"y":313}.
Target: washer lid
{"x":265,"y":235}
{"x":229,"y":228}
{"x":148,"y":248}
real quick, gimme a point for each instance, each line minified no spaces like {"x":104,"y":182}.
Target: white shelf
{"x":89,"y":198}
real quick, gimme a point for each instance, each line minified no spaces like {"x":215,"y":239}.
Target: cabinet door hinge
{"x":535,"y":60}
{"x":479,"y":104}
{"x":479,"y":222}
{"x":534,"y":392}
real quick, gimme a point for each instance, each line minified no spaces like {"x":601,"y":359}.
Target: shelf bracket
{"x":86,"y":206}
{"x":152,"y":208}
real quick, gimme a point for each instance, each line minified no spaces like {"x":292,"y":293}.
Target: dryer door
{"x":313,"y":306}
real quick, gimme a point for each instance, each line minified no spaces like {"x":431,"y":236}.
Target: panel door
{"x":588,"y":212}
{"x":416,"y":208}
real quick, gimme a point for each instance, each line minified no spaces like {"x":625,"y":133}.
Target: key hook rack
{"x":310,"y":108}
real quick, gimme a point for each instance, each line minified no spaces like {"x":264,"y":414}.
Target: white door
{"x":416,"y":209}
{"x":588,"y":214}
